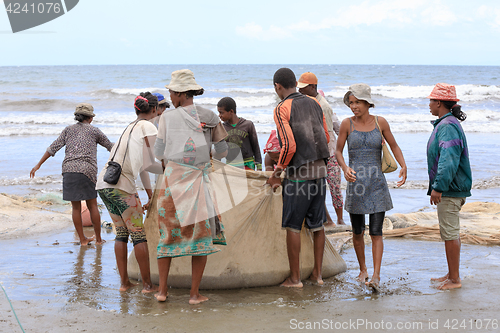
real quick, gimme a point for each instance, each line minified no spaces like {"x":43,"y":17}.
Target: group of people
{"x":305,"y":159}
{"x":180,"y":149}
{"x":307,"y":146}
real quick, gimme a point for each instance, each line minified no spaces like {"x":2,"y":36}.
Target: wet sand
{"x":57,"y":286}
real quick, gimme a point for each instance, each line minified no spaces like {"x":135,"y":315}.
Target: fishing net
{"x":256,"y":253}
{"x":479,"y":224}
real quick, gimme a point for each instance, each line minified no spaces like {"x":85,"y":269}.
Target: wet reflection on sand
{"x":53,"y":267}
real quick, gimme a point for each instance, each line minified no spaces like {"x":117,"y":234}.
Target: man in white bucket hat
{"x":182,"y":81}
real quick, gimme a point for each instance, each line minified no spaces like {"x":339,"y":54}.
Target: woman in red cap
{"x":450,"y":177}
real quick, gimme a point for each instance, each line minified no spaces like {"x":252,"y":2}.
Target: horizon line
{"x":251,"y":64}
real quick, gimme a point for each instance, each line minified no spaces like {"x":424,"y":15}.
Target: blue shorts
{"x":304,"y":201}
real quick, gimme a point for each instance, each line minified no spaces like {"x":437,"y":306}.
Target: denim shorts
{"x":304,"y":201}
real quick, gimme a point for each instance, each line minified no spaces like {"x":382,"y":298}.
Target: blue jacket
{"x":448,"y":159}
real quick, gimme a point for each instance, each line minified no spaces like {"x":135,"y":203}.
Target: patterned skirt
{"x":188,"y":218}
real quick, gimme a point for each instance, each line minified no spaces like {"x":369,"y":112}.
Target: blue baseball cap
{"x":161,"y":98}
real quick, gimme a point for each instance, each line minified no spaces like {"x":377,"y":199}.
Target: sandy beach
{"x":57,"y":286}
{"x":60,"y":54}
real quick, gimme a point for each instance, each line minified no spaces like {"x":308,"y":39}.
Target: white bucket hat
{"x":183,"y":80}
{"x":361,"y":91}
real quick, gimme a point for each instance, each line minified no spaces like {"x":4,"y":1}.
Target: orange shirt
{"x":282,"y":114}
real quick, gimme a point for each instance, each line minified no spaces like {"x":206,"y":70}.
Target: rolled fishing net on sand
{"x":256,"y":253}
{"x":479,"y":225}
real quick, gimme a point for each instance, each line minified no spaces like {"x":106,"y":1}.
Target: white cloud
{"x":496,"y":23}
{"x":367,"y":13}
{"x":483,"y":11}
{"x":390,"y":12}
{"x":438,"y":14}
{"x":126,"y":42}
{"x":255,"y":31}
{"x":489,"y":14}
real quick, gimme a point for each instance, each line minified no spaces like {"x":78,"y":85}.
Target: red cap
{"x":273,"y":144}
{"x":444,"y":92}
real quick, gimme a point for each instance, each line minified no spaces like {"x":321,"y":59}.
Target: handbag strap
{"x":128,"y":141}
{"x":351,"y":128}
{"x":376,"y":122}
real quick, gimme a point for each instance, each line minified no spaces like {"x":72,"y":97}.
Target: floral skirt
{"x":125,"y":210}
{"x":187,"y":213}
{"x":333,"y":179}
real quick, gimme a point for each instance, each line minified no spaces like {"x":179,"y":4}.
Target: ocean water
{"x":36,"y":103}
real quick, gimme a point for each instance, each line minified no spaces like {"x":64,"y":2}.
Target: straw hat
{"x":183,"y":80}
{"x":444,"y":92}
{"x":361,"y":91}
{"x":86,"y":109}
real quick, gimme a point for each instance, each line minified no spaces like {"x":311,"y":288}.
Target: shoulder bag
{"x":388,"y":162}
{"x":114,"y":169}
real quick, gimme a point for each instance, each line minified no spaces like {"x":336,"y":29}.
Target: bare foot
{"x":316,"y":280}
{"x":161,"y":297}
{"x":319,"y":282}
{"x":363,"y":276}
{"x":146,"y":289}
{"x":86,"y":241}
{"x":197,"y":299}
{"x":450,"y":284}
{"x":440,"y":279}
{"x":125,"y":287}
{"x":374,"y":284}
{"x":290,"y":284}
{"x":340,"y":222}
{"x":329,"y":224}
{"x":100,"y":241}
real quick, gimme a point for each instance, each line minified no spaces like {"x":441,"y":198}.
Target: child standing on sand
{"x":241,"y":136}
{"x":79,"y":168}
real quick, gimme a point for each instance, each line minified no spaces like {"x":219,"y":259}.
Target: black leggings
{"x":376,"y":223}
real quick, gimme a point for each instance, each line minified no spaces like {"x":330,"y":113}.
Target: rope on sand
{"x":22,"y":329}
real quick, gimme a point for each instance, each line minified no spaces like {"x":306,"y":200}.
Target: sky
{"x":393,"y":32}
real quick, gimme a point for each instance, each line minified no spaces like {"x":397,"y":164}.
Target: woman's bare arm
{"x":39,"y":164}
{"x":349,"y":174}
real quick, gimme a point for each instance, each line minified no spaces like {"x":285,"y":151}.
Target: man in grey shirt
{"x":308,"y":85}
